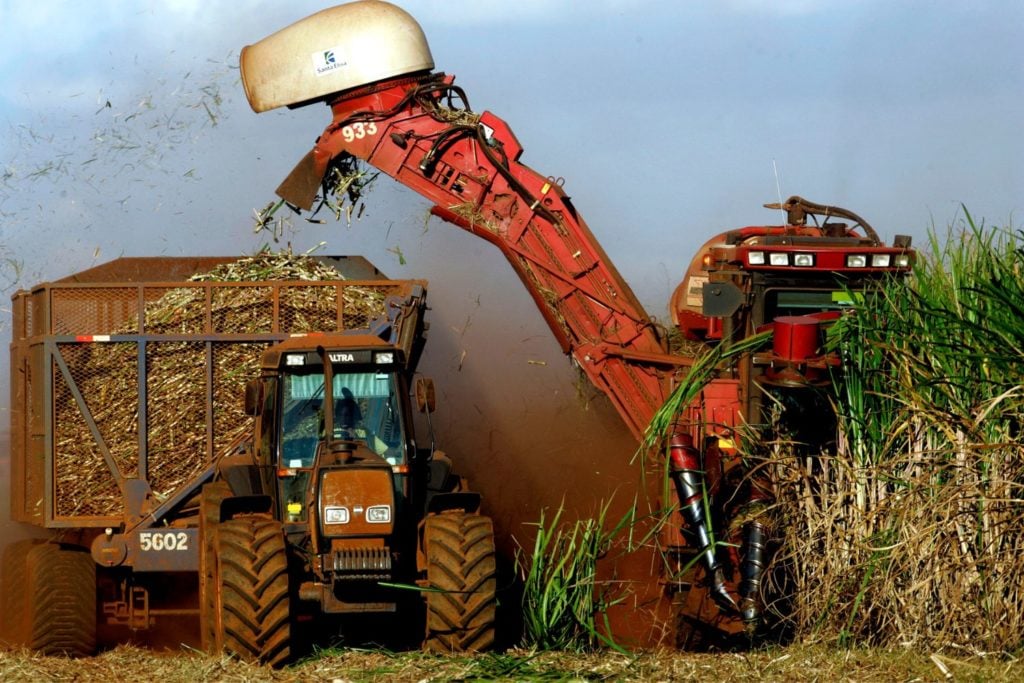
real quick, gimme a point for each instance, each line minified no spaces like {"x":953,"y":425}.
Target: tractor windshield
{"x":365,"y":410}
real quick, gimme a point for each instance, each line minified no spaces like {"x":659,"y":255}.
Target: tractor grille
{"x":352,"y":564}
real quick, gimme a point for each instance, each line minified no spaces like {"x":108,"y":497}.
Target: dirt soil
{"x":795,"y":663}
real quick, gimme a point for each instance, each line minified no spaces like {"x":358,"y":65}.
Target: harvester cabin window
{"x":365,"y":410}
{"x":780,"y":302}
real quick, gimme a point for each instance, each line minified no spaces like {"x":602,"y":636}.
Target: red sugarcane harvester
{"x":370,"y":63}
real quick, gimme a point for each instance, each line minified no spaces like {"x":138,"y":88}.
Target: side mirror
{"x":426,"y":399}
{"x":721,"y":299}
{"x":253,"y":397}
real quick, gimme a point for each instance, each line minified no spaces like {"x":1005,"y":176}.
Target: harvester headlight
{"x":295,"y":359}
{"x":779,"y":259}
{"x":803,"y":260}
{"x":881,"y":260}
{"x":903,"y":261}
{"x":378,"y":514}
{"x":856,"y":261}
{"x":336,"y":515}
{"x":384,"y":358}
{"x":755,"y":258}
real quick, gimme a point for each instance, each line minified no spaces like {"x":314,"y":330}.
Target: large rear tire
{"x":14,"y":593}
{"x":461,"y":576}
{"x":60,"y":612}
{"x":253,"y":615}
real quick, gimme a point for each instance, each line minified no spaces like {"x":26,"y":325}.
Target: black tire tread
{"x":254,"y":620}
{"x":14,"y":591}
{"x":461,"y":577}
{"x":61,"y":597}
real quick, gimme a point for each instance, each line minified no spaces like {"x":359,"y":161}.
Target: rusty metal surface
{"x":798,"y":209}
{"x":363,"y":498}
{"x":150,"y":550}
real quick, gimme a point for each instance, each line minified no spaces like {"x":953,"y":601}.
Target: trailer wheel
{"x":253,"y":615}
{"x":461,"y":584}
{"x":13,"y":594}
{"x":60,"y":609}
{"x":212,"y":496}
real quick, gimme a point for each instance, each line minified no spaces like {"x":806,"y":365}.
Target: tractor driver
{"x":348,"y":418}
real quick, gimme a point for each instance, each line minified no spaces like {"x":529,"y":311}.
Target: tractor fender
{"x":242,"y":473}
{"x":236,"y":506}
{"x":467,"y":501}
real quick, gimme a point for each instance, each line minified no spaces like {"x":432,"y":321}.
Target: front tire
{"x":461,"y":582}
{"x":253,"y":615}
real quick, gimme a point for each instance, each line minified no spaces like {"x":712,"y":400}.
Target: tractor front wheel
{"x":461,"y":584}
{"x":253,"y":615}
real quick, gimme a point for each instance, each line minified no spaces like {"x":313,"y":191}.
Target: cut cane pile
{"x":177,"y":386}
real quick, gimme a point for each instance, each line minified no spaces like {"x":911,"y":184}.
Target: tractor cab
{"x":334,"y":434}
{"x":360,"y":423}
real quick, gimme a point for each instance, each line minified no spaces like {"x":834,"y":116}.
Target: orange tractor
{"x":370,"y":63}
{"x":163,"y":500}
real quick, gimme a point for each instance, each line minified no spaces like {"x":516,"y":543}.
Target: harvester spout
{"x":301,"y":186}
{"x":335,"y":50}
{"x":326,"y":55}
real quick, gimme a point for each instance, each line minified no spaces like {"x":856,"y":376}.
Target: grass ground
{"x":794,"y":663}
